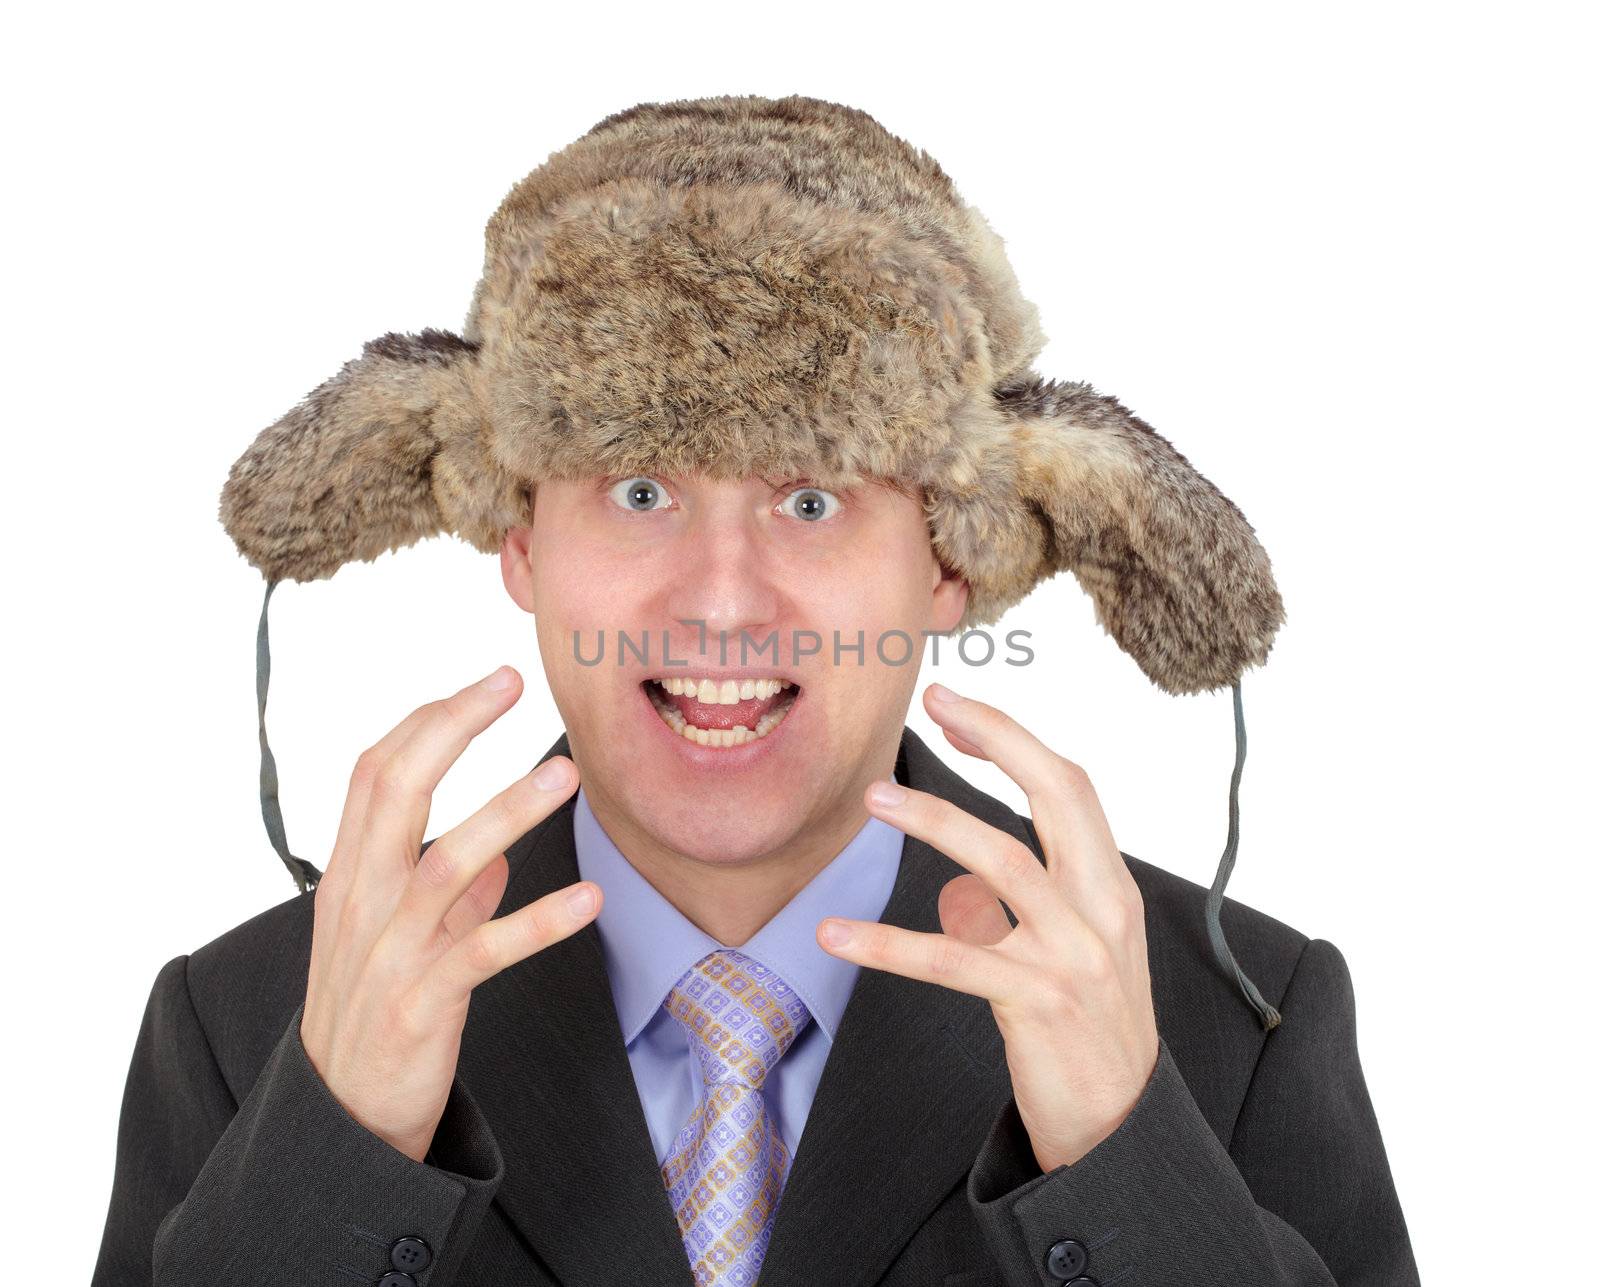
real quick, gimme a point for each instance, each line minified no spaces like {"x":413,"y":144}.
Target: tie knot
{"x":740,"y":1015}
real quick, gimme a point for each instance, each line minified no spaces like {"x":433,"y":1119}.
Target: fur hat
{"x":738,"y":286}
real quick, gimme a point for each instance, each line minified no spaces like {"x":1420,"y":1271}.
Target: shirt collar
{"x":648,"y":943}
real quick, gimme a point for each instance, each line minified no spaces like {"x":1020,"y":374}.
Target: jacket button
{"x":1067,"y":1258}
{"x":397,"y":1279}
{"x":410,"y":1254}
{"x":1085,"y":1281}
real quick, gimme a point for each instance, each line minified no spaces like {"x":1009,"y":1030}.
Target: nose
{"x":724,"y":577}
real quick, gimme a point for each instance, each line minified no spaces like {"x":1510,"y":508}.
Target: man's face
{"x":780,"y":569}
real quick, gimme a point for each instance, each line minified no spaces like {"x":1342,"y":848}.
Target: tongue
{"x":702,"y":715}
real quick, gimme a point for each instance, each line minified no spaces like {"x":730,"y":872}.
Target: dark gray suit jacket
{"x":1251,"y":1158}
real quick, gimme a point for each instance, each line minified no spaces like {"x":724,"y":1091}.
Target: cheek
{"x":878,"y":583}
{"x":586,"y":585}
{"x":879,"y":594}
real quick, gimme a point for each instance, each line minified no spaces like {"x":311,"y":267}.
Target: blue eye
{"x":811,"y":504}
{"x":640,"y":495}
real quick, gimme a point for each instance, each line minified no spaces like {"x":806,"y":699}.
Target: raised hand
{"x":1070,"y":983}
{"x":398,"y":945}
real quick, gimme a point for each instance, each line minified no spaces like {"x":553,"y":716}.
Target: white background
{"x":1342,"y":256}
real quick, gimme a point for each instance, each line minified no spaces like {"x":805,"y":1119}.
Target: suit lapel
{"x":914,"y":1080}
{"x":544,"y":1058}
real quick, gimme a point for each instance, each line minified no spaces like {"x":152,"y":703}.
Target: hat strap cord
{"x":1270,"y":1018}
{"x":305,"y":874}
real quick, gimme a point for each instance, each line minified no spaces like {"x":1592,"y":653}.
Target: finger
{"x":961,"y":744}
{"x":359,"y":792}
{"x":932,"y":958}
{"x":1065,"y":808}
{"x":455,"y":860}
{"x":1006,"y":865}
{"x":970,"y":912}
{"x":504,"y":941}
{"x":399,"y":796}
{"x":404,"y":783}
{"x":480,"y":901}
{"x":333,"y":888}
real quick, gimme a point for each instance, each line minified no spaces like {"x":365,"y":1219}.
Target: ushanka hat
{"x":740,"y":286}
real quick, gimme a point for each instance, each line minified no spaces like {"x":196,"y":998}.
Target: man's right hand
{"x":398,"y":944}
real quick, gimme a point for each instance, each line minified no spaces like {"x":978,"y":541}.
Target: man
{"x":444,"y":1069}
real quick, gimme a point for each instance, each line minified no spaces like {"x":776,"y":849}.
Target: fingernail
{"x":835,"y":933}
{"x":887,"y":794}
{"x":940,"y":693}
{"x":501,"y":680}
{"x":581,"y":902}
{"x":552,"y":775}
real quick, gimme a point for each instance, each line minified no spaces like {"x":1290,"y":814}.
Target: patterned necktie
{"x":725,"y":1171}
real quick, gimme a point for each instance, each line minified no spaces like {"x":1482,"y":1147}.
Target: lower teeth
{"x":738,"y":735}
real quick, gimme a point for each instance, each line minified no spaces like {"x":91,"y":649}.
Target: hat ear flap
{"x":1176,"y":573}
{"x":369,"y":461}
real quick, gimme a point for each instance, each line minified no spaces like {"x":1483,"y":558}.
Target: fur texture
{"x":743,"y":285}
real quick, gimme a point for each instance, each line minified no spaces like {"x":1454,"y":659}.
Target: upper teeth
{"x":710,"y":692}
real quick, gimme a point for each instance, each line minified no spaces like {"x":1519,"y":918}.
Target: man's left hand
{"x":1070,"y":984}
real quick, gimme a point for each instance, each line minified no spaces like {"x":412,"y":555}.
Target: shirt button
{"x":1066,"y":1258}
{"x":410,"y":1254}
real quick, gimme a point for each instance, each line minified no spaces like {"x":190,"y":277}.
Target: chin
{"x":722,"y":824}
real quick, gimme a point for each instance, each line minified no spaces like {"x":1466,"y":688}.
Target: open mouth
{"x":722,"y":712}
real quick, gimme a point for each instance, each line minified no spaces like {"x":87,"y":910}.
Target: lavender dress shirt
{"x":648,"y":944}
